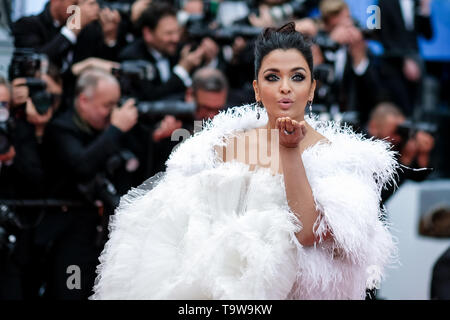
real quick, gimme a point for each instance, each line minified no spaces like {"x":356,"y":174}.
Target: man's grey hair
{"x":209,"y":79}
{"x":88,"y":81}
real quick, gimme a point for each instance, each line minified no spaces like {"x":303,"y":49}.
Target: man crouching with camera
{"x":78,"y":145}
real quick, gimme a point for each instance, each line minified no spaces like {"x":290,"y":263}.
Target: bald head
{"x":384,"y":120}
{"x":209,"y":79}
{"x":210,"y":91}
{"x":97,"y":93}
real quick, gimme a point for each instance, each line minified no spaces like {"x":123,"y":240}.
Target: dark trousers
{"x":67,"y":241}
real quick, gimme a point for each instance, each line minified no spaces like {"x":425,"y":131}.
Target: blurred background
{"x":92,"y":91}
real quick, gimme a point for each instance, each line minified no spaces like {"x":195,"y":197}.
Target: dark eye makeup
{"x":273,"y":77}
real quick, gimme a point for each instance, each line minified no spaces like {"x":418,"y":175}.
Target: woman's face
{"x":284,"y":84}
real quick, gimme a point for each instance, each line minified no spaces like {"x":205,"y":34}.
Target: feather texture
{"x":205,"y":229}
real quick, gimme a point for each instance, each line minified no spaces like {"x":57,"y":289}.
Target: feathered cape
{"x":206,"y":229}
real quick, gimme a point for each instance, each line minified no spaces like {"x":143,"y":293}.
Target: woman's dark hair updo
{"x":285,"y":38}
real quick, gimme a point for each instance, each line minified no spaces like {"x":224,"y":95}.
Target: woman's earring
{"x":258,"y":105}
{"x":310,"y":108}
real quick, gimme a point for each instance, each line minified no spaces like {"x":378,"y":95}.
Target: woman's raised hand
{"x":291,"y":132}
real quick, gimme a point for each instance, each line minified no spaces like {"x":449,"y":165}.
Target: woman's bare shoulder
{"x":316,"y":138}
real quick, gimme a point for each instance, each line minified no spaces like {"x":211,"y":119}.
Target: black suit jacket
{"x":359,"y":92}
{"x":152,"y":89}
{"x":396,"y":39}
{"x":40,"y":33}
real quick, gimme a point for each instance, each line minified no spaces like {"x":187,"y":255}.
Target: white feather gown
{"x":206,"y":229}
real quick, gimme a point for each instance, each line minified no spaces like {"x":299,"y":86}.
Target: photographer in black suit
{"x":356,"y":82}
{"x":402,"y":21}
{"x":159,"y":45}
{"x":78,"y":147}
{"x":70,"y":31}
{"x":22,"y":178}
{"x":52,"y":33}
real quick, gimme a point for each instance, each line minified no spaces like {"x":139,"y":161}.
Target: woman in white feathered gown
{"x":220,"y":225}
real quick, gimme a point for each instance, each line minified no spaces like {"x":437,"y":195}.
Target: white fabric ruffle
{"x":205,"y":229}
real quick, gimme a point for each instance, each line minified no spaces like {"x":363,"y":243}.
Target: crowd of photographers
{"x":96,"y":91}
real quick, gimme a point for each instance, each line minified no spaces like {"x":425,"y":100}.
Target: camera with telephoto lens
{"x":156,"y":110}
{"x":6,"y":126}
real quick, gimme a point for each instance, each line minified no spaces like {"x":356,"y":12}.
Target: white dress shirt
{"x":407,"y":7}
{"x":163,"y":66}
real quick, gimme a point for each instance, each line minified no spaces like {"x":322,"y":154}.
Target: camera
{"x":26,"y":63}
{"x":42,"y":99}
{"x":157,"y":110}
{"x":131,"y":72}
{"x":101,"y":189}
{"x":408,"y":129}
{"x":100,"y":192}
{"x":125,"y":159}
{"x":135,"y":70}
{"x":325,"y":43}
{"x":6,"y":124}
{"x":222,"y":35}
{"x":121,"y":7}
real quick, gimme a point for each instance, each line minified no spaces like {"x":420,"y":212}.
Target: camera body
{"x":42,"y":99}
{"x":26,"y":63}
{"x":131,"y":72}
{"x":409,"y":129}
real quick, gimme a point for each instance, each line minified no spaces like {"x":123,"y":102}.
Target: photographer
{"x":414,"y":148}
{"x":159,"y":45}
{"x":343,"y":46}
{"x":403,"y":68}
{"x":22,"y":178}
{"x":52,"y":33}
{"x":10,"y":269}
{"x":69,"y":32}
{"x":78,"y":145}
